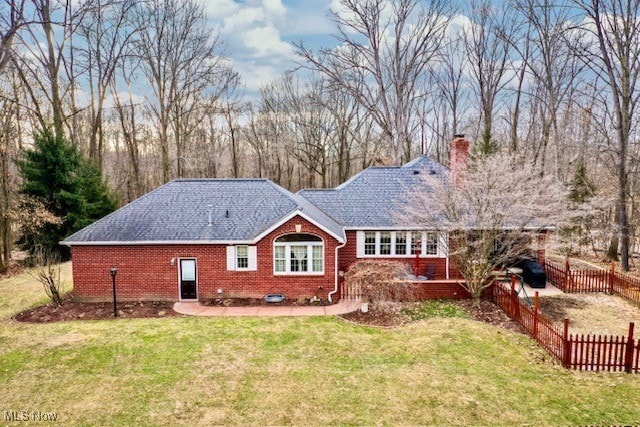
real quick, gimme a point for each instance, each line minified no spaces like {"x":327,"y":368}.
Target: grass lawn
{"x":320,"y":370}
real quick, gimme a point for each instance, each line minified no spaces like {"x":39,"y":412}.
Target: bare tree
{"x":12,"y":19}
{"x":451,"y":81}
{"x":488,"y":47}
{"x":43,"y":68}
{"x":107,"y":31}
{"x":47,"y":272}
{"x":611,"y":49}
{"x":490,"y":214}
{"x":551,"y":61}
{"x":385,"y":49}
{"x":182,"y":62}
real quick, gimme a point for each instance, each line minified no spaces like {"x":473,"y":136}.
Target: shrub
{"x":47,"y":272}
{"x":381,"y":281}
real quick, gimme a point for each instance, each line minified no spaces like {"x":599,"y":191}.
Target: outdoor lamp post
{"x":113,"y":273}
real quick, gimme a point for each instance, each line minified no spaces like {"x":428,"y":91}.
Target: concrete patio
{"x":197,"y":309}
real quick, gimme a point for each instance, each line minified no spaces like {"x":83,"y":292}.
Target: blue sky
{"x":258,"y":33}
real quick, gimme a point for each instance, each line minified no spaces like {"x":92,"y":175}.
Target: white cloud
{"x":253,"y":32}
{"x":274,"y":8}
{"x":255,"y":75}
{"x":265,"y":41}
{"x":220,"y":8}
{"x":457,"y":25}
{"x":244,"y":19}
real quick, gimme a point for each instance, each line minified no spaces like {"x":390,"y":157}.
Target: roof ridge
{"x":215,"y":179}
{"x":314,"y":189}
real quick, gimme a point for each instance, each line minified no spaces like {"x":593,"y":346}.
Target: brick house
{"x":206,"y":238}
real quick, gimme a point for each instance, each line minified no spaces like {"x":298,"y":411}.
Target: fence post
{"x":612,"y":276}
{"x":515,"y":306}
{"x":566,"y":356}
{"x":536,"y":307}
{"x":567,"y":272}
{"x":628,"y":353}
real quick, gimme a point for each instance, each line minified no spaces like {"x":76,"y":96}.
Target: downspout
{"x":447,"y":264}
{"x":447,"y":258}
{"x":335,"y":261}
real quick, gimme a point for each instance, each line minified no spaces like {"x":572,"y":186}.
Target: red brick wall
{"x":145,"y":272}
{"x":348,"y":256}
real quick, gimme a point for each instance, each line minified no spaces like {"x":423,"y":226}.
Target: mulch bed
{"x":253,"y":302}
{"x":388,"y":317}
{"x":76,"y":310}
{"x":391,"y":315}
{"x":491,"y":314}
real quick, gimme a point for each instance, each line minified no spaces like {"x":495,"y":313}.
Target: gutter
{"x":335,"y":260}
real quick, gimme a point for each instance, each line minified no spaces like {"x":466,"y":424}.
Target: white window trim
{"x":287,"y":255}
{"x":238,"y":268}
{"x":195,"y":260}
{"x":440,"y":252}
{"x":232,"y":258}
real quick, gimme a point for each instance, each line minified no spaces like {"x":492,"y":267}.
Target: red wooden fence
{"x":592,"y":280}
{"x":600,"y":353}
{"x":628,"y":287}
{"x":581,"y":352}
{"x":541,"y":329}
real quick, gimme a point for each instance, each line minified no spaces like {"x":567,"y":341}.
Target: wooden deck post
{"x":628,"y":353}
{"x":566,"y":355}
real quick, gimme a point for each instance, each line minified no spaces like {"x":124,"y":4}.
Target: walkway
{"x":547,"y":291}
{"x":197,"y":309}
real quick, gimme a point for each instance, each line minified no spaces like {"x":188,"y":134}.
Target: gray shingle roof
{"x":241,"y":209}
{"x":373,"y":197}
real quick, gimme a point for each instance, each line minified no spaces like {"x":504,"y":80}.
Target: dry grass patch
{"x":23,"y":291}
{"x":592,"y":313}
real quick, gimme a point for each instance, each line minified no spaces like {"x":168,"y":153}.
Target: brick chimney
{"x":458,"y":157}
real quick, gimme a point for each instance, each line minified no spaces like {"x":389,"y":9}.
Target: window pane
{"x":385,"y":243}
{"x":317,"y":258}
{"x":188,"y":269}
{"x":299,"y":258}
{"x":370,"y":243}
{"x":416,"y":238}
{"x":401,"y":243}
{"x":242,"y":257}
{"x":432,"y":244}
{"x":280,"y":257}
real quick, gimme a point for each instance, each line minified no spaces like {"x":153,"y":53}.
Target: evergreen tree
{"x":70,"y":188}
{"x":581,"y":188}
